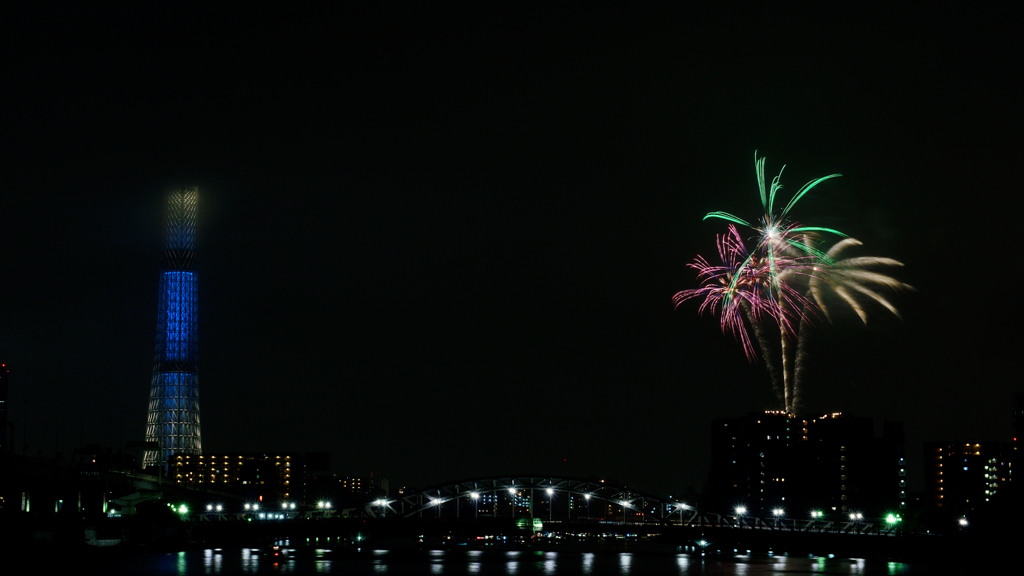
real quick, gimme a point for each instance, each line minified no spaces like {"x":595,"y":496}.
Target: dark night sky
{"x":443,"y":244}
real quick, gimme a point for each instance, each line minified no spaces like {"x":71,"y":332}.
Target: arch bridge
{"x":545,"y":497}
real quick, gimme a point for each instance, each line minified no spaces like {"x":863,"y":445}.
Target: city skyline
{"x":444,"y":245}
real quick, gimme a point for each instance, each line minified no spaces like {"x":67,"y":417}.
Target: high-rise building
{"x":847,"y":468}
{"x":752,"y":459}
{"x":1018,"y":432}
{"x":962,"y":477}
{"x":262,"y":476}
{"x":774,"y":460}
{"x":173,"y":419}
{"x":5,"y":436}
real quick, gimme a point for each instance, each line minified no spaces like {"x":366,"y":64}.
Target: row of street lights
{"x":513,"y":492}
{"x":780,"y":513}
{"x":253,"y":507}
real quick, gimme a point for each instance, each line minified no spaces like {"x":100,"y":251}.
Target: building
{"x":173,"y":418}
{"x":849,"y":469}
{"x":752,"y":459}
{"x":1014,"y":494}
{"x":6,"y":436}
{"x":260,"y":477}
{"x":773,"y":460}
{"x":355,"y":486}
{"x":962,"y":477}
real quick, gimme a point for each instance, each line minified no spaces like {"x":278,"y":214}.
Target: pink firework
{"x":747,"y":287}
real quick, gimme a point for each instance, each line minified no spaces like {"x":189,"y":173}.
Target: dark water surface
{"x":488,"y":561}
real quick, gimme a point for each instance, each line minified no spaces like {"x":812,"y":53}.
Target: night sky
{"x":443,"y":244}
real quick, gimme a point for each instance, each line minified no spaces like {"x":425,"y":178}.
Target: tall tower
{"x":173,"y":420}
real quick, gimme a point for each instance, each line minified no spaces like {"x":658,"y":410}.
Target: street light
{"x":476,"y":503}
{"x":551,"y":501}
{"x":681,"y":508}
{"x":512,"y":492}
{"x":587,"y":498}
{"x":624,"y":505}
{"x":740,"y":511}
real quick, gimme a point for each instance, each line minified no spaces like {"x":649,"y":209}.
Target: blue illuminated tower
{"x":173,"y":420}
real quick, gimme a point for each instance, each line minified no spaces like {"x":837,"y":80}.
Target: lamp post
{"x":551,"y":501}
{"x":681,"y":507}
{"x":892,"y":520}
{"x":740,"y":511}
{"x":476,"y":503}
{"x":817,"y":515}
{"x":324,"y":506}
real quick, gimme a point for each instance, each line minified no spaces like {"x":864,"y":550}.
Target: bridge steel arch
{"x":546,"y":497}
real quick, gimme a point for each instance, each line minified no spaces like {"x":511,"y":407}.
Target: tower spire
{"x":173,"y":419}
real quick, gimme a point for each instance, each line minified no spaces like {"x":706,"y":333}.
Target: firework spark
{"x":785,"y":281}
{"x":853,"y":282}
{"x":744,"y":288}
{"x":776,"y":232}
{"x":852,"y":279}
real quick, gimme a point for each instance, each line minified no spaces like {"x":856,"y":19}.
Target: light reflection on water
{"x":550,"y":563}
{"x":683,"y":561}
{"x":588,"y":562}
{"x":474,"y":565}
{"x":459,"y":562}
{"x":741,"y":568}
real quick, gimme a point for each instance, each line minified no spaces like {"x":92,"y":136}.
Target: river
{"x":527,"y":562}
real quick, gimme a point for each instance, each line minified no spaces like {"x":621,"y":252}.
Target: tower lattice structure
{"x":173,"y":419}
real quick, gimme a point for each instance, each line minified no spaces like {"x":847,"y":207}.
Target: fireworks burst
{"x":775,"y":231}
{"x":852,"y":279}
{"x":785,"y":281}
{"x":745,"y":288}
